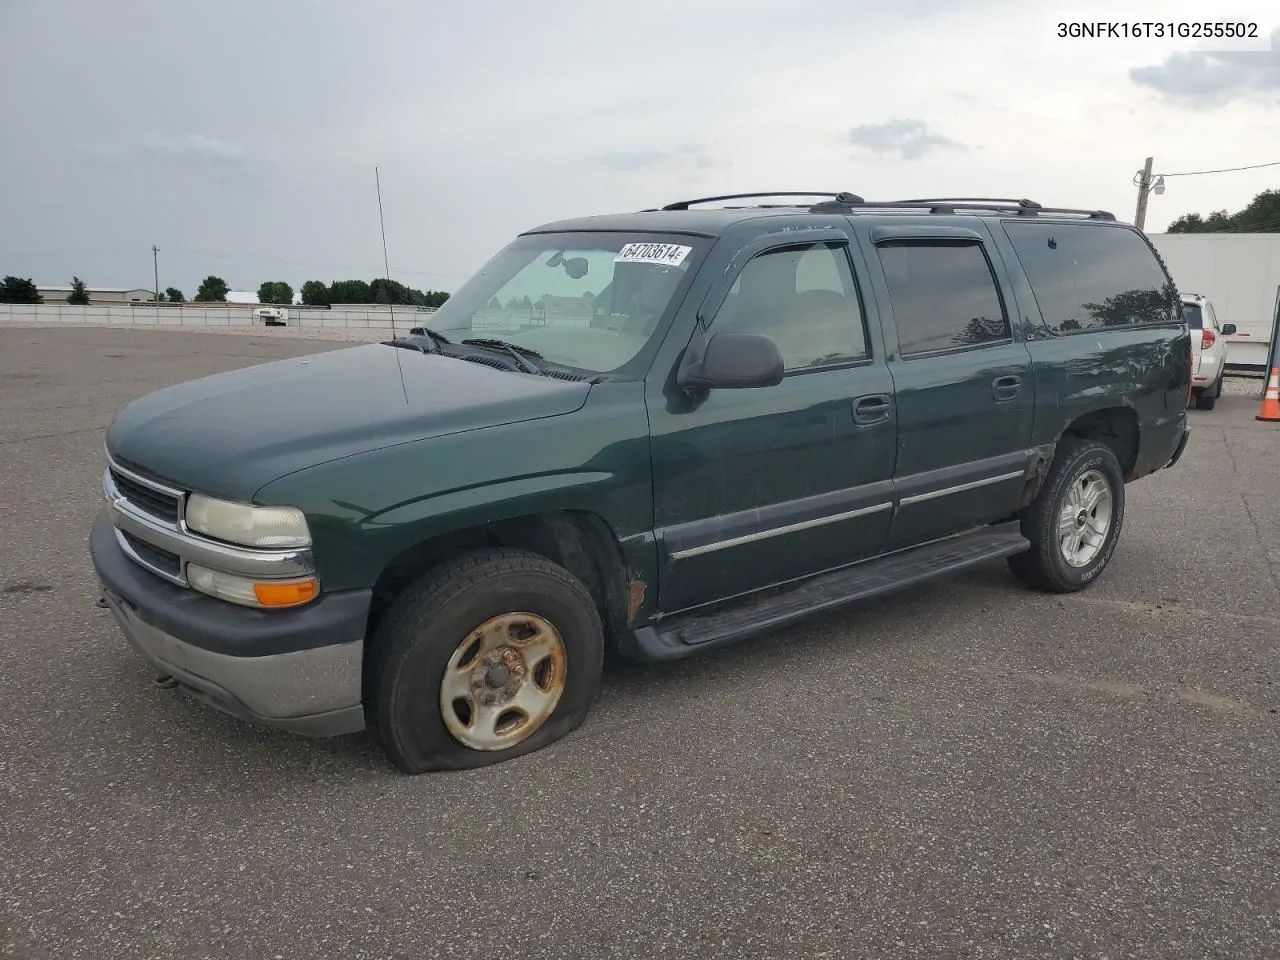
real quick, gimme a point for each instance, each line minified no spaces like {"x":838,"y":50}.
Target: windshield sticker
{"x":668,"y":254}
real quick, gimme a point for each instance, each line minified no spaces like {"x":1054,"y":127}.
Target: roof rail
{"x":1030,"y":204}
{"x":845,"y":202}
{"x":840,"y":196}
{"x":941,"y":205}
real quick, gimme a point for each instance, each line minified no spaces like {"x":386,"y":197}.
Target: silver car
{"x":1208,"y":349}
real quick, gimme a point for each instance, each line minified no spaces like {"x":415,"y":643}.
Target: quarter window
{"x":1086,"y":276}
{"x":805,"y":298}
{"x":944,"y":295}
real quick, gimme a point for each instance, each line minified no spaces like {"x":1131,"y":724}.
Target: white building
{"x":100,"y":294}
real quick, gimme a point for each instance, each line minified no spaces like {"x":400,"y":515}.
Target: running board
{"x":686,"y":634}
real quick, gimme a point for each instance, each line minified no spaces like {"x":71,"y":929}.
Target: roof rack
{"x":952,"y":205}
{"x":840,"y":196}
{"x":845,"y":202}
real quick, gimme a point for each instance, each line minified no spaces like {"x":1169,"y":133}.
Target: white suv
{"x":1208,"y":349}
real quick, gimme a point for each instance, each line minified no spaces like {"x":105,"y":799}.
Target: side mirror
{"x":1228,"y":329}
{"x":730,"y":361}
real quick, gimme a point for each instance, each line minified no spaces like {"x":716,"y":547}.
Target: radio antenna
{"x":386,"y":265}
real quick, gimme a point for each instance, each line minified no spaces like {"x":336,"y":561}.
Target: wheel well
{"x":1117,"y":427}
{"x":579,"y":541}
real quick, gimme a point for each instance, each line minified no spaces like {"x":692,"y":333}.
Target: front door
{"x":753,"y":487}
{"x":962,"y":379}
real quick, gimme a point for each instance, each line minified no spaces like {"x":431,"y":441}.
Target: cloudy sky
{"x":240,"y":136}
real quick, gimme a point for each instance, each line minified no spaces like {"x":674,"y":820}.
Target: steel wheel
{"x":1085,"y":518}
{"x":503,"y":681}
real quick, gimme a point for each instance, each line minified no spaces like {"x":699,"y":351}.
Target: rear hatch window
{"x":1192,"y":315}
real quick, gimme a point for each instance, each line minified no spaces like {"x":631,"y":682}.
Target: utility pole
{"x":155,"y":262}
{"x":1144,"y":191}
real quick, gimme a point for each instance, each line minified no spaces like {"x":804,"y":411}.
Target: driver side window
{"x":805,"y":298}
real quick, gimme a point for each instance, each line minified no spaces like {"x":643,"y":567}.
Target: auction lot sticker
{"x":669,"y":254}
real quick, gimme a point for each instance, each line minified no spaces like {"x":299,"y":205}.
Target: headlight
{"x":252,"y":593}
{"x":278,"y":528}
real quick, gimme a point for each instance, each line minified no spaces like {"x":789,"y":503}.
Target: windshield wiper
{"x":435,"y":340}
{"x":515,"y":351}
{"x":404,"y":344}
{"x":439,"y":338}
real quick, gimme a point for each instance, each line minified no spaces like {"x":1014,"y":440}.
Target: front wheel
{"x":489,"y":656}
{"x":1075,"y":520}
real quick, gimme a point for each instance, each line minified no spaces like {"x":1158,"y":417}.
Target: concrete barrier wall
{"x":200,"y":315}
{"x":234,"y":315}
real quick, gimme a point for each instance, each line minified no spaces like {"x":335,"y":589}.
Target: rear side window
{"x":1087,"y":276}
{"x":944,"y":295}
{"x":1191,"y":314}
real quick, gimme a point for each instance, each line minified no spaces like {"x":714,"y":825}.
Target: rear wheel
{"x":488,"y":657}
{"x":1075,"y":520}
{"x":1206,"y":399}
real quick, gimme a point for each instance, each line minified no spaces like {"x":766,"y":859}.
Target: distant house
{"x":100,"y":294}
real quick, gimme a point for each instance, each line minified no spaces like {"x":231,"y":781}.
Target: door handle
{"x":1006,"y":388}
{"x":872,"y":409}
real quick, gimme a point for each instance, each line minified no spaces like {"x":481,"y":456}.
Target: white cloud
{"x":258,"y":147}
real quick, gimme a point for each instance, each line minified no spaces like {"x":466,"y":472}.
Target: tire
{"x":1207,"y":401}
{"x":1045,"y":566}
{"x":421,"y":645}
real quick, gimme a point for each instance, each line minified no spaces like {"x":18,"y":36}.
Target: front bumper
{"x":299,"y":670}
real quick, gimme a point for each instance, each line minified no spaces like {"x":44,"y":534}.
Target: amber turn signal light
{"x":288,"y":594}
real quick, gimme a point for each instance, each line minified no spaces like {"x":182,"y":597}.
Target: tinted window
{"x":1191,"y":314}
{"x":805,"y":298}
{"x":586,"y":300}
{"x":1086,"y":276}
{"x":943,"y":294}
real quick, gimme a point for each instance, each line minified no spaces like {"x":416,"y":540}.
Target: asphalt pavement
{"x":969,"y":769}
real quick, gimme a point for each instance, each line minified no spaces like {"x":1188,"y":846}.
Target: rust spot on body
{"x":635,"y":596}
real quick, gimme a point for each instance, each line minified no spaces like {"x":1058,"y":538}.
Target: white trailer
{"x":272,"y":316}
{"x":1240,"y":274}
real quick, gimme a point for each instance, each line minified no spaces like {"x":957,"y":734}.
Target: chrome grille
{"x":156,"y":559}
{"x":148,"y":517}
{"x":149,"y":499}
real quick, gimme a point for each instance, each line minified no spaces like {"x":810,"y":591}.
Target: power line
{"x":1198,"y":173}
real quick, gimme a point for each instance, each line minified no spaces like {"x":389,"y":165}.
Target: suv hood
{"x":230,"y":433}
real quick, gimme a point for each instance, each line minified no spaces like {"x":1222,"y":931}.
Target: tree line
{"x":214,"y":289}
{"x":316,"y":293}
{"x":1262,"y":215}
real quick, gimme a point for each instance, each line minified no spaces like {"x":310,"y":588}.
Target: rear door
{"x":962,"y":379}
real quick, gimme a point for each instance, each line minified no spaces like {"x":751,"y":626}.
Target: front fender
{"x":366,"y":510}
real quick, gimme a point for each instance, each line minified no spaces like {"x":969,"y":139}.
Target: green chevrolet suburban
{"x":657,"y":433}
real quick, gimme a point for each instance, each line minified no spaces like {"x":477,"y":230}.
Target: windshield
{"x":1191,"y":314}
{"x":585,"y":300}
